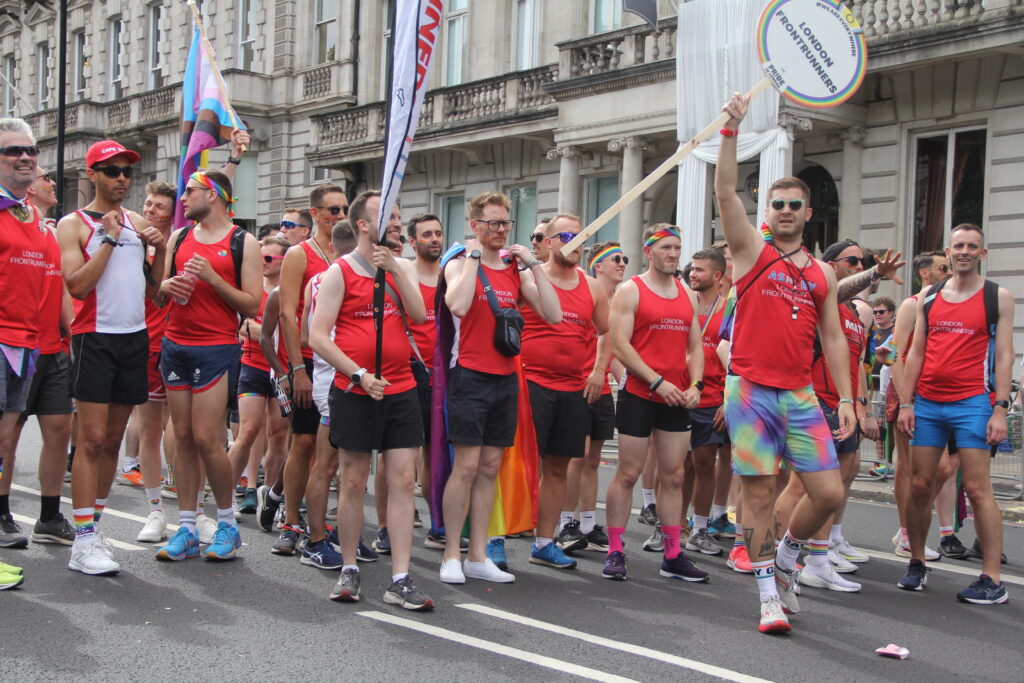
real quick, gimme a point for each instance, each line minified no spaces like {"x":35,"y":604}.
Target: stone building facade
{"x":560,"y":104}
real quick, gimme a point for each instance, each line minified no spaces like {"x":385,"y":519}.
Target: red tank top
{"x":476,"y":329}
{"x":606,"y":387}
{"x":661,"y":331}
{"x":824,"y":386}
{"x":252,"y":352}
{"x":49,"y":313}
{"x":714,"y":371}
{"x":23,"y":255}
{"x":206,"y":320}
{"x":315,"y":263}
{"x":425,"y":335}
{"x":769,"y":347}
{"x":559,"y":357}
{"x":355,"y":336}
{"x":956,"y":355}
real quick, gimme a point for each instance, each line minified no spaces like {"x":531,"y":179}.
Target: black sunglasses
{"x":880,"y":311}
{"x":537,"y":237}
{"x":853,"y":260}
{"x":18,"y":150}
{"x":619,"y":258}
{"x":335,"y":210}
{"x":794,"y":204}
{"x":45,"y":177}
{"x":115,"y":171}
{"x":268,"y":258}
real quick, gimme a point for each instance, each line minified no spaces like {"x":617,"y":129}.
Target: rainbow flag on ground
{"x":207,"y":117}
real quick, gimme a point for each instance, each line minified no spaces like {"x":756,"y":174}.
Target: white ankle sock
{"x":588,"y":520}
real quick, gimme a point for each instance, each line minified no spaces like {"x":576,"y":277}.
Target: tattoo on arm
{"x":849,"y":287}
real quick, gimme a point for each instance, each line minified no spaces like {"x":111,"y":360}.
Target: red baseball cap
{"x":108,"y":149}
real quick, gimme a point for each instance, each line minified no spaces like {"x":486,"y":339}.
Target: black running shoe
{"x":597,"y":539}
{"x":11,"y":535}
{"x":570,"y":538}
{"x":680,"y":567}
{"x":649,"y":515}
{"x":951,"y":547}
{"x":976,"y":551}
{"x":266,"y":508}
{"x":404,"y":594}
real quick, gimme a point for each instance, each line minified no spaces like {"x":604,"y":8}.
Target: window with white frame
{"x":452,"y":210}
{"x":43,"y":76}
{"x":605,"y":15}
{"x":154,"y":60}
{"x":318,"y":175}
{"x":114,"y":31}
{"x":527,"y":30}
{"x":455,"y":26}
{"x":247,"y":11}
{"x":80,"y":61}
{"x":388,"y":19}
{"x":10,"y":80}
{"x":326,"y":29}
{"x":524,"y":212}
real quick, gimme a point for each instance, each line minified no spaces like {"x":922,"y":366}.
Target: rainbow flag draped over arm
{"x":207,"y":117}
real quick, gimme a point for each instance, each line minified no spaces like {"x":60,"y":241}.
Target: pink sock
{"x":615,"y":538}
{"x":671,"y":541}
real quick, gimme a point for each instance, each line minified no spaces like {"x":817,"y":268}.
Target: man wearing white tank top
{"x":103,"y":254}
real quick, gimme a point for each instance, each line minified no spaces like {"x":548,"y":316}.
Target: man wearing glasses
{"x":103,"y":254}
{"x":541,"y":249}
{"x":23,"y":252}
{"x":328,"y":205}
{"x":296,"y":225}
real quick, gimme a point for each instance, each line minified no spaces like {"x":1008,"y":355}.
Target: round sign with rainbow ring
{"x":812,"y":50}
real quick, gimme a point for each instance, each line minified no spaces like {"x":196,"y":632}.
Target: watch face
{"x":474,"y":254}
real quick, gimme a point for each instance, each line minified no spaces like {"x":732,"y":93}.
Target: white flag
{"x":413,"y":39}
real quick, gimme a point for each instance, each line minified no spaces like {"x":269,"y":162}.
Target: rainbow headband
{"x":660,"y":234}
{"x":201,"y":177}
{"x":602,"y":255}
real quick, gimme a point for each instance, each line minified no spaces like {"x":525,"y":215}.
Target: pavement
{"x":268,"y":618}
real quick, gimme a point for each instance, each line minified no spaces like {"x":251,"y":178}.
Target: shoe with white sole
{"x":89,"y":556}
{"x":826,"y":577}
{"x":851,"y":554}
{"x":841,"y":564}
{"x":486,"y":571}
{"x":451,"y":572}
{"x":155,"y":528}
{"x":903,"y":550}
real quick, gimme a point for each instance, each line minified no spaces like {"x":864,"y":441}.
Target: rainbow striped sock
{"x":817,"y":552}
{"x":84,"y":524}
{"x":741,"y":537}
{"x":945,"y":531}
{"x":101,"y":503}
{"x":153,"y":495}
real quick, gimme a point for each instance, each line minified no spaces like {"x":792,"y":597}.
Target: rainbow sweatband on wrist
{"x":602,"y":255}
{"x":660,"y":234}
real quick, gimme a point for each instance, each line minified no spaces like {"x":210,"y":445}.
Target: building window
{"x":949,"y":185}
{"x":453,"y":213}
{"x":388,"y":18}
{"x":527,"y":30}
{"x":114,"y":29}
{"x":326,"y":29}
{"x":606,"y":15}
{"x":524,"y":212}
{"x":247,"y":33}
{"x":154,"y":62}
{"x":601,"y":193}
{"x":455,"y":41}
{"x":318,"y":175}
{"x":10,"y":96}
{"x":43,"y":75}
{"x":78,"y":67}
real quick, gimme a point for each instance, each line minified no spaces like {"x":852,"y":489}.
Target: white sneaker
{"x":851,"y":554}
{"x":841,"y":564}
{"x":897,"y":538}
{"x":903,"y":550}
{"x":451,"y":572}
{"x":104,"y":546}
{"x":155,"y":528}
{"x":234,"y":508}
{"x":90,"y":557}
{"x":826,"y":577}
{"x":486,"y":571}
{"x":206,"y":528}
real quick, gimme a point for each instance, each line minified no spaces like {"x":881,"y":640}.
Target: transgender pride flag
{"x":207,"y":118}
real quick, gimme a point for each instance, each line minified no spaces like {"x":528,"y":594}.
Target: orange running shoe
{"x":739,"y":560}
{"x":133,"y":477}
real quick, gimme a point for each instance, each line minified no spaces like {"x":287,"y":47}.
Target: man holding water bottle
{"x":103,"y":257}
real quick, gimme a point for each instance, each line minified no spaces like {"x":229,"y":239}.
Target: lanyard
{"x":711,"y":314}
{"x":320,"y":252}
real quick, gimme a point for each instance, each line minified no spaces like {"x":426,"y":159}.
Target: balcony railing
{"x":617,"y":50}
{"x":883,"y":17}
{"x":479,"y":103}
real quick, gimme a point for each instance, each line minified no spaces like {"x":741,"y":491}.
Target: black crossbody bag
{"x":508,"y":327}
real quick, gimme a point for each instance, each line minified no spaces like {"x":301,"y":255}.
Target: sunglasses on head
{"x":794,"y":204}
{"x":288,"y":225}
{"x":115,"y":171}
{"x":880,"y":311}
{"x":270,"y":258}
{"x":335,"y":210}
{"x":18,"y":150}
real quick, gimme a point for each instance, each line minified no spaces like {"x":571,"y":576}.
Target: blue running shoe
{"x":182,"y":546}
{"x":915,"y":578}
{"x":615,"y":566}
{"x":226,"y":542}
{"x":984,"y":591}
{"x":321,"y":555}
{"x":365,"y":554}
{"x":551,"y":556}
{"x":496,"y":553}
{"x":721,"y":527}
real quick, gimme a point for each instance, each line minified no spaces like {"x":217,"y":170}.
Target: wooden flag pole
{"x":213,"y":62}
{"x":666,"y":166}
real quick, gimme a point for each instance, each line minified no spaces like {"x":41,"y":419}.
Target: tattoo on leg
{"x":748,"y":536}
{"x":767,"y":545}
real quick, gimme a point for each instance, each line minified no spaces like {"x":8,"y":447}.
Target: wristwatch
{"x":862,"y":400}
{"x":107,"y":239}
{"x":475,"y":254}
{"x":234,"y":160}
{"x":699,"y":384}
{"x":1005,"y":405}
{"x":357,"y":376}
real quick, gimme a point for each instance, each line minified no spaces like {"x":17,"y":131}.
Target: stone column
{"x":850,"y":183}
{"x":631,"y":220}
{"x":568,"y":178}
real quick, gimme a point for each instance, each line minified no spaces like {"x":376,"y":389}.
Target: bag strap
{"x":389,"y":290}
{"x":492,"y":299}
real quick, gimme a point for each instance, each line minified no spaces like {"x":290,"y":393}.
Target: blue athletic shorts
{"x":198,"y":367}
{"x":966,"y":419}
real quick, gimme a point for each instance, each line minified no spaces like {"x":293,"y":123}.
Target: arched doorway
{"x":823,"y":228}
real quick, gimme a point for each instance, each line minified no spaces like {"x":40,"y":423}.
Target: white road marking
{"x":497,"y":648}
{"x":691,"y":664}
{"x":114,"y":542}
{"x":106,"y":511}
{"x":946,"y":566}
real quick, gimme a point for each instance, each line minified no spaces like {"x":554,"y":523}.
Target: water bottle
{"x":190,"y":276}
{"x":283,"y":399}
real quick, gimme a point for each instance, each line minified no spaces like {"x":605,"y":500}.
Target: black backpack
{"x":237,"y":249}
{"x":990,"y":296}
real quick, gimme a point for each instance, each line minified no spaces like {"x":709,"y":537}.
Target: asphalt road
{"x":265,"y":617}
